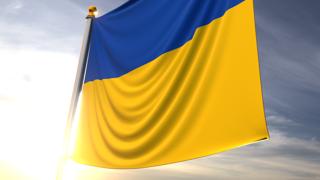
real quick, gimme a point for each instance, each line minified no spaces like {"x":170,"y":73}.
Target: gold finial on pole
{"x":92,"y":11}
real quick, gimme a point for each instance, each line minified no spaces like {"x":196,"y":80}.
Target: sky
{"x":39,"y":48}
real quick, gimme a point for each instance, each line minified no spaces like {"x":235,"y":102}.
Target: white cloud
{"x":281,"y":120}
{"x":13,"y":6}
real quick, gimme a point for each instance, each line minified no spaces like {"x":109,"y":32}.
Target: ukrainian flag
{"x":168,"y":81}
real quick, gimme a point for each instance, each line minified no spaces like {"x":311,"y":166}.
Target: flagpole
{"x":76,"y":90}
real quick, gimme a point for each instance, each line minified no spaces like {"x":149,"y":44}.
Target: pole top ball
{"x":92,"y":11}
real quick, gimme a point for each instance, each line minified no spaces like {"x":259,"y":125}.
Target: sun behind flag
{"x":169,"y":81}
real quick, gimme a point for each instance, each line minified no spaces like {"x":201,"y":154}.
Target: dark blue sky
{"x":288,"y":34}
{"x":289,"y":41}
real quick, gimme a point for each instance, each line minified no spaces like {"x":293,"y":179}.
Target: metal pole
{"x":76,"y":91}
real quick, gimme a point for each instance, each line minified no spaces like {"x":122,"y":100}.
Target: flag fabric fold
{"x":169,"y":81}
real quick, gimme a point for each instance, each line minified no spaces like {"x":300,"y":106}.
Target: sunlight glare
{"x":34,"y":99}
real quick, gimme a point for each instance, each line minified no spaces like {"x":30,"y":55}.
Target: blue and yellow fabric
{"x":168,"y":81}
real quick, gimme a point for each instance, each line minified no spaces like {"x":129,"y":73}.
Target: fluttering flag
{"x":168,"y":81}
